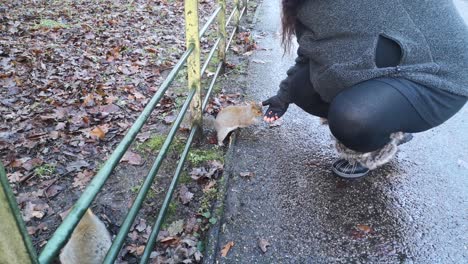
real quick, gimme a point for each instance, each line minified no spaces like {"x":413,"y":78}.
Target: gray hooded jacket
{"x":338,"y":40}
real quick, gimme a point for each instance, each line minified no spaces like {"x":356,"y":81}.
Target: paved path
{"x":413,"y":210}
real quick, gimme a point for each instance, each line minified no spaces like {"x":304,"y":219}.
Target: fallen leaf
{"x":32,"y":163}
{"x":82,"y":179}
{"x":170,"y":240}
{"x":176,"y":228}
{"x":53,"y":190}
{"x":109,"y":108}
{"x":248,"y":53}
{"x":77,"y":165}
{"x":134,"y":249}
{"x":259,"y":61}
{"x":190,"y":241}
{"x":226,"y":249}
{"x":184,"y":195}
{"x":162,"y":234}
{"x":97,"y":132}
{"x":169,"y":119}
{"x":247,"y":174}
{"x":210,"y":185}
{"x":134,"y":235}
{"x":34,"y":210}
{"x":198,"y":173}
{"x":191,"y":225}
{"x":132,"y":158}
{"x":364,"y":228}
{"x":139,"y":250}
{"x":263,"y":244}
{"x":144,"y":136}
{"x":33,"y":229}
{"x":141,"y":225}
{"x":14,"y":177}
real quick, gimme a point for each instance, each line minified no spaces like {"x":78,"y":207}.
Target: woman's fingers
{"x":270,"y":119}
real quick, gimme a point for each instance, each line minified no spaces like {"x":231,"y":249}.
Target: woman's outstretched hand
{"x":276,"y":108}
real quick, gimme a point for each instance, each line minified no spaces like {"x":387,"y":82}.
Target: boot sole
{"x":348,"y":176}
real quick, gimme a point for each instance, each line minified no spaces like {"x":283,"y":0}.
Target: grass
{"x":198,"y":156}
{"x":48,"y":23}
{"x":170,"y":213}
{"x":185,"y":178}
{"x":45,"y":170}
{"x":155,"y":143}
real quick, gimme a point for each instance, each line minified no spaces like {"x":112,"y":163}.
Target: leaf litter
{"x":76,"y":75}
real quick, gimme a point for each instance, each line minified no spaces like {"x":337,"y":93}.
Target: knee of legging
{"x":352,"y":127}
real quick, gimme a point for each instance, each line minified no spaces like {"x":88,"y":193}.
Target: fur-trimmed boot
{"x":353,"y":164}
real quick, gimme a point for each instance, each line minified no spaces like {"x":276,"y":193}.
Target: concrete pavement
{"x":413,"y":210}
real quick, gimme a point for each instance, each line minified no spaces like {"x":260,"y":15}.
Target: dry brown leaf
{"x":226,"y":248}
{"x":77,"y":165}
{"x":82,"y":179}
{"x":33,"y":229}
{"x":177,"y":227}
{"x":141,"y":226}
{"x":170,"y":240}
{"x":14,"y":177}
{"x":210,"y":185}
{"x":134,"y":235}
{"x":88,"y":100}
{"x":184,"y":195}
{"x":138,"y":250}
{"x":263,"y":244}
{"x":132,"y":158}
{"x":191,"y":225}
{"x":247,"y":174}
{"x":97,"y":132}
{"x":34,"y":210}
{"x":32,"y":163}
{"x":53,"y":190}
{"x":364,"y":228}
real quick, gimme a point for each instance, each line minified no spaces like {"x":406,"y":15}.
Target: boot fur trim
{"x":373,"y":159}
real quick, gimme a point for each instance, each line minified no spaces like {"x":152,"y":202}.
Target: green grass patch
{"x":185,"y":178}
{"x":45,"y":170}
{"x":198,"y":156}
{"x":170,"y":213}
{"x":155,"y":143}
{"x":48,"y":23}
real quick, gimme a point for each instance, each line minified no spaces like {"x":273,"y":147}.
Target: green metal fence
{"x":191,"y":58}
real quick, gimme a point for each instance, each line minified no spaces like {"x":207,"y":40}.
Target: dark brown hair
{"x":288,"y":21}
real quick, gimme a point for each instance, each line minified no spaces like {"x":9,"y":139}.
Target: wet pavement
{"x":412,"y":210}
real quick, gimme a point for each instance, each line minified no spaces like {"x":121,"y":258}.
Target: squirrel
{"x":228,"y":119}
{"x":89,"y":242}
{"x":233,"y":117}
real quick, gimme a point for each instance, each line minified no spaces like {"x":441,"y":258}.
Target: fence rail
{"x":191,"y":57}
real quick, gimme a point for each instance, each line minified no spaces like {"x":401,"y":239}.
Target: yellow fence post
{"x":222,"y":31}
{"x":193,"y":62}
{"x":15,"y":244}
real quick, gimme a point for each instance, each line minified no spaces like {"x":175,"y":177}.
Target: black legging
{"x":363,"y":116}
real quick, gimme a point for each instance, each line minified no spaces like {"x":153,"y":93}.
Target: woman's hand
{"x":276,"y":108}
